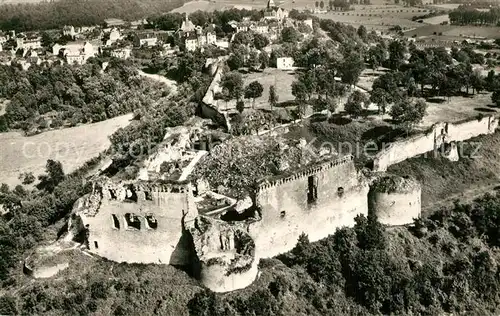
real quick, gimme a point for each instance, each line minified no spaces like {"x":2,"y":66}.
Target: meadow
{"x":71,"y":146}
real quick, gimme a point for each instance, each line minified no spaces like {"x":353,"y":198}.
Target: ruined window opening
{"x":175,"y":190}
{"x":131,"y":195}
{"x":112,"y":194}
{"x":151,"y":221}
{"x":148,"y":196}
{"x":96,"y":245}
{"x":340,"y":191}
{"x":116,"y":222}
{"x":282,"y":214}
{"x":312,"y":189}
{"x":133,"y":221}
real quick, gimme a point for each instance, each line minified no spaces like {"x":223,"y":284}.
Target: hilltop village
{"x":252,"y":138}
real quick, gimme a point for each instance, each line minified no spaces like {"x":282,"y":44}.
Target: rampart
{"x":438,"y":134}
{"x":316,"y":201}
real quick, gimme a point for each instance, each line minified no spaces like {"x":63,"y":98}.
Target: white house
{"x":75,"y":52}
{"x":146,"y":39}
{"x":69,"y":30}
{"x":122,"y":53}
{"x":284,"y":63}
{"x":28,"y":43}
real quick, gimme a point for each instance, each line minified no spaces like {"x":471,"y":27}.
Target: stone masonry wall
{"x":396,"y":208}
{"x":162,"y":244}
{"x":286,"y":212}
{"x":439,"y":133}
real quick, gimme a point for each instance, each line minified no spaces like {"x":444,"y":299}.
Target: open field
{"x":456,"y":31}
{"x":458,"y":108}
{"x":281,"y":79}
{"x":377,"y":17}
{"x":437,"y":19}
{"x":72,"y":146}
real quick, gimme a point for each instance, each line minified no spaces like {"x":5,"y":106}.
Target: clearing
{"x":71,"y":146}
{"x":458,"y":108}
{"x":271,"y":76}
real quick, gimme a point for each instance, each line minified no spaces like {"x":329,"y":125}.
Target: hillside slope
{"x":478,"y":167}
{"x":47,"y":15}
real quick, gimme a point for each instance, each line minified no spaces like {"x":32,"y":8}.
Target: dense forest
{"x":468,"y":16}
{"x":55,"y":95}
{"x":55,"y":14}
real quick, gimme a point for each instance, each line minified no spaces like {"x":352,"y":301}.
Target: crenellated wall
{"x":287,"y":209}
{"x":438,"y":134}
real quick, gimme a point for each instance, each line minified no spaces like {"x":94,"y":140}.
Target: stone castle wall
{"x":114,"y":236}
{"x":439,"y":133}
{"x":286,"y":211}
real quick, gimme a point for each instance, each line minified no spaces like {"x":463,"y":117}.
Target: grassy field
{"x":72,"y":146}
{"x":456,"y":31}
{"x":437,"y":19}
{"x":377,"y":17}
{"x":458,"y":108}
{"x":281,"y":79}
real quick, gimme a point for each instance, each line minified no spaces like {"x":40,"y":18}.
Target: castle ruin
{"x":222,"y":240}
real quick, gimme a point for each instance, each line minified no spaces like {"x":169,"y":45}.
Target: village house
{"x":273,"y":12}
{"x":28,"y":42}
{"x":284,"y":63}
{"x":74,"y":52}
{"x":114,"y":35}
{"x":114,"y":22}
{"x":69,"y":30}
{"x":261,"y":28}
{"x":145,"y":39}
{"x":122,"y":52}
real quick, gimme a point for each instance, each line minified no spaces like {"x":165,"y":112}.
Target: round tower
{"x":394,"y":199}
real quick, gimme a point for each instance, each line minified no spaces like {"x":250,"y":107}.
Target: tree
{"x":396,"y":54}
{"x":321,"y":5}
{"x":362,"y":33}
{"x":240,"y":106}
{"x":273,"y":96}
{"x":408,"y":113}
{"x":379,"y":97}
{"x":232,"y":82}
{"x":354,"y":105}
{"x":299,"y":91}
{"x":351,"y":69}
{"x":264,"y":59}
{"x":290,"y":35}
{"x":260,"y":41}
{"x":495,"y":97}
{"x":235,"y":61}
{"x":54,"y":175}
{"x":27,"y":177}
{"x":253,"y":90}
{"x":376,"y":55}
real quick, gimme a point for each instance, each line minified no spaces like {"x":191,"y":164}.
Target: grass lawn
{"x":458,"y":108}
{"x":71,"y":146}
{"x":271,"y":76}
